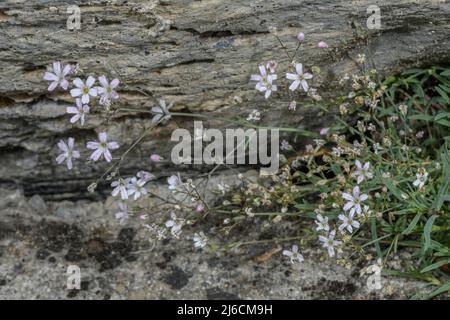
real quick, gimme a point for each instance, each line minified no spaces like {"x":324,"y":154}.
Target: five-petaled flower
{"x":293,"y":254}
{"x":329,"y":243}
{"x":265,"y":81}
{"x":362,"y":172}
{"x":354,"y":201}
{"x":348,"y":222}
{"x":200,"y":239}
{"x":107,"y":91}
{"x":120,"y":186}
{"x":299,"y":78}
{"x":68,"y":152}
{"x":102,"y":147}
{"x":58,"y":76}
{"x":85,"y":90}
{"x":322,"y":223}
{"x":421,"y":178}
{"x":137,"y":188}
{"x":78,"y":112}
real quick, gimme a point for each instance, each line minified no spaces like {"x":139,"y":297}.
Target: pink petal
{"x":85,"y":98}
{"x":92,"y":145}
{"x":262,"y":70}
{"x":90,"y":81}
{"x":113,"y":145}
{"x":72,"y":110}
{"x":114,"y":83}
{"x":294,"y":85}
{"x":108,"y":156}
{"x":50,"y":76}
{"x":96,"y":154}
{"x":60,"y":159}
{"x":57,"y":67}
{"x":93,"y":92}
{"x":103,"y":81}
{"x":52,"y":86}
{"x":67,"y":69}
{"x":78,"y":83}
{"x":62,"y":145}
{"x":299,"y":68}
{"x":103,"y":137}
{"x":76,"y":92}
{"x":64,"y":84}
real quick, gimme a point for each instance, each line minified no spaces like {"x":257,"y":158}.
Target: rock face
{"x":117,"y":261}
{"x":198,"y":54}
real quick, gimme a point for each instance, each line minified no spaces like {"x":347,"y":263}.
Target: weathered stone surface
{"x":117,"y":261}
{"x":199,"y":54}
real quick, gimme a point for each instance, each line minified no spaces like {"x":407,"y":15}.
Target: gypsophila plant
{"x":373,"y":183}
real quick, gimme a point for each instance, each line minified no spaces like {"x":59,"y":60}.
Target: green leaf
{"x":435,"y":265}
{"x":427,"y":232}
{"x":443,"y":94}
{"x":412,"y":224}
{"x":395,"y":191}
{"x":440,"y":290}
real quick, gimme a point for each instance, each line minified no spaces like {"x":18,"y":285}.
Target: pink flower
{"x":156,"y":158}
{"x":102,"y":147}
{"x":324,"y":131}
{"x":272,"y":66}
{"x":79,"y":111}
{"x":301,"y":37}
{"x":322,"y":45}
{"x":68,"y":152}
{"x":84,"y":90}
{"x":199,"y":208}
{"x":58,"y":76}
{"x":107,"y":90}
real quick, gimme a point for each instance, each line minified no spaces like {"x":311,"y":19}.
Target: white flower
{"x":102,"y":147}
{"x":292,"y":106}
{"x":161,"y":112}
{"x":265,"y":81}
{"x":58,"y":76}
{"x":200,"y":240}
{"x":136,"y":188}
{"x":299,"y":78}
{"x":322,"y":223}
{"x":107,"y":90}
{"x":294,"y":255}
{"x":285,"y":146}
{"x":68,"y":152}
{"x":348,"y":222}
{"x":329,"y":243}
{"x":223,"y":188}
{"x":122,"y":215}
{"x":84,"y":90}
{"x":254,"y":116}
{"x":79,"y":111}
{"x":174,"y":225}
{"x":120,"y":186}
{"x":173,"y":182}
{"x":354,"y":201}
{"x":362,"y":172}
{"x":422,"y":177}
